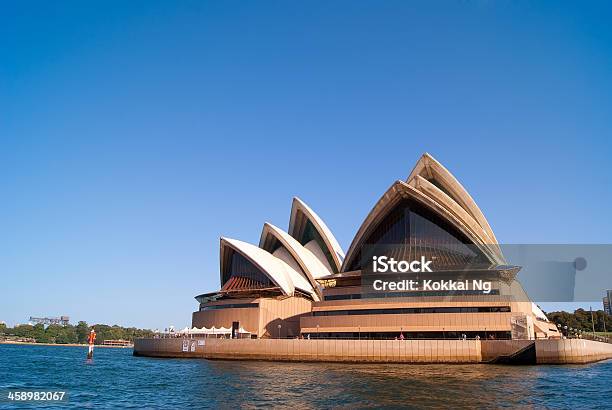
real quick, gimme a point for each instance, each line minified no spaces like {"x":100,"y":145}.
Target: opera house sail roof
{"x":430,"y":215}
{"x":283,"y":262}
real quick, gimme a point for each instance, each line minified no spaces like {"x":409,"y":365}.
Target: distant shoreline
{"x":10,"y":342}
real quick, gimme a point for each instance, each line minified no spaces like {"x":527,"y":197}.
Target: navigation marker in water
{"x":90,"y":340}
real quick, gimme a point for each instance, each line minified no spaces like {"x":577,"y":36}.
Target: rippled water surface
{"x":117,"y":379}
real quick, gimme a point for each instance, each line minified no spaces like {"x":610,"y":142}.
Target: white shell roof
{"x":312,"y":266}
{"x":283,"y":275}
{"x":453,"y":207}
{"x":428,"y":167}
{"x":324,"y":231}
{"x":386,"y":202}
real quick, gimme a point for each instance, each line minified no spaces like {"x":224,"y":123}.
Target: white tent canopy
{"x":211,"y":331}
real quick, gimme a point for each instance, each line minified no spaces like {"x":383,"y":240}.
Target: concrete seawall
{"x":329,"y":350}
{"x":572,"y":351}
{"x":375,"y":351}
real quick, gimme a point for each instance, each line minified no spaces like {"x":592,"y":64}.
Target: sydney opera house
{"x":299,"y":282}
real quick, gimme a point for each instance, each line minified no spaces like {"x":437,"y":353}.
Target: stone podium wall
{"x":574,"y":351}
{"x":329,"y":350}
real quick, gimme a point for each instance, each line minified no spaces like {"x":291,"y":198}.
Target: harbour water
{"x":115,"y":378}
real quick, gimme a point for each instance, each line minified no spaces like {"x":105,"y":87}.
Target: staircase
{"x":524,"y":356}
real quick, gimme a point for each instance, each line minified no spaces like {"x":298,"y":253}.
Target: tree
{"x":23,"y":330}
{"x":67,"y":334}
{"x":53,"y":333}
{"x":74,"y":334}
{"x":581,"y":319}
{"x":82,"y":331}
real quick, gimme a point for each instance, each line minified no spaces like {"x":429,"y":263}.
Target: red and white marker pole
{"x":90,"y":340}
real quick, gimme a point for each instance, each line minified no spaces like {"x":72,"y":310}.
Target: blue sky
{"x":133,"y":135}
